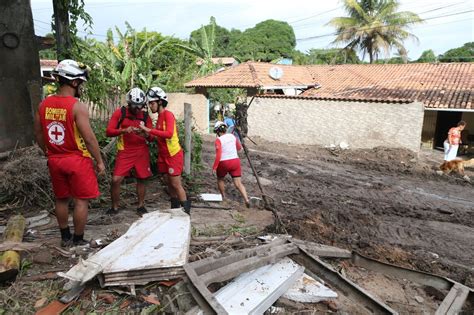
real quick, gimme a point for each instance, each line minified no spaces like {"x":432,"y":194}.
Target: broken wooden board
{"x":19,"y":246}
{"x":209,"y":270}
{"x":255,"y":291}
{"x":158,"y":240}
{"x":307,"y":290}
{"x":454,"y":301}
{"x":322,"y":250}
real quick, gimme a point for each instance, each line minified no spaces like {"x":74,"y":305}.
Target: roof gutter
{"x":449,"y":109}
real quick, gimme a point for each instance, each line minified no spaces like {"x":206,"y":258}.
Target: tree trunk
{"x":20,"y":80}
{"x":10,"y":260}
{"x":61,"y":25}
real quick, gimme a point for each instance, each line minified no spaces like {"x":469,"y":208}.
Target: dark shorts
{"x":137,"y":159}
{"x":171,"y":165}
{"x":231,"y":167}
{"x":73,"y":176}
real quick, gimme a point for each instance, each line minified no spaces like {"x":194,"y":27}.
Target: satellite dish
{"x":275,"y":73}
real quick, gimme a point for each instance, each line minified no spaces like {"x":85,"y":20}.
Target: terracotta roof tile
{"x":444,"y":85}
{"x":48,"y":63}
{"x":255,"y":75}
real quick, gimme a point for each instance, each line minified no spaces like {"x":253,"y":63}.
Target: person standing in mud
{"x":227,"y":160}
{"x":170,"y":154}
{"x":132,"y":147}
{"x":451,"y":144}
{"x":63,"y":132}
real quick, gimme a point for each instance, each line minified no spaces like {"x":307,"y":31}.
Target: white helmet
{"x":220,"y":126}
{"x":136,"y":97}
{"x":156,"y":94}
{"x":71,"y":70}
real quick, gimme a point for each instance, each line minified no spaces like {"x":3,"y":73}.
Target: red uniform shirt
{"x":167,"y":133}
{"x":59,"y":128}
{"x":128,"y":141}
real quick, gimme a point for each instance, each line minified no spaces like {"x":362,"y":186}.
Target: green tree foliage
{"x":460,"y":54}
{"x":374,"y":27}
{"x":332,"y":56}
{"x":66,"y":15}
{"x":222,"y":38}
{"x":266,"y":41}
{"x":427,"y":56}
{"x":118,"y":65}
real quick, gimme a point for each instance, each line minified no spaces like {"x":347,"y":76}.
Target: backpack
{"x":123,"y":111}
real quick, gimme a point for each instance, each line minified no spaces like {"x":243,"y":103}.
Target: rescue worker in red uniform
{"x":132,"y":147}
{"x":170,"y":154}
{"x":63,"y":132}
{"x":227,"y":160}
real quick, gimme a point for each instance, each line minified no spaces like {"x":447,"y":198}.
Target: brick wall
{"x":361,"y":125}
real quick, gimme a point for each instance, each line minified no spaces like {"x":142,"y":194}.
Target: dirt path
{"x":385,"y":203}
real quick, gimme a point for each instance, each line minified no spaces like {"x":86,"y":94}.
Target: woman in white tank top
{"x":227,"y":160}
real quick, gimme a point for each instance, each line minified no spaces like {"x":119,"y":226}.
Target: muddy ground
{"x":389,"y":204}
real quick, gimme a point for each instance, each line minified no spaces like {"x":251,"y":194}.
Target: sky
{"x":446,"y":25}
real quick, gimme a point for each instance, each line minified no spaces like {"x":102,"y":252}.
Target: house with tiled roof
{"x":394,"y":105}
{"x":46,"y":67}
{"x":257,"y":78}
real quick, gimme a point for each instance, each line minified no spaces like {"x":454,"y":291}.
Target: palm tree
{"x":374,"y":26}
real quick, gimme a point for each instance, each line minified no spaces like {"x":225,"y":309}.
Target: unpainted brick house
{"x":392,"y":105}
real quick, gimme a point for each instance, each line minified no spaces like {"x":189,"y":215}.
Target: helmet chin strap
{"x":76,"y":88}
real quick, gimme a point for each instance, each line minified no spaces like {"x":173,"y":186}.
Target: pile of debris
{"x":24,"y":179}
{"x":270,"y":275}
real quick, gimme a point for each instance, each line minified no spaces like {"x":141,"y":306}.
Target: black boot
{"x":186,"y":205}
{"x":175,"y":203}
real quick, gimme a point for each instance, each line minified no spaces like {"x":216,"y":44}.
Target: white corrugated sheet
{"x":156,"y":240}
{"x":255,"y":291}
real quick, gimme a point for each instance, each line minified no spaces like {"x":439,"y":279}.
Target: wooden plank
{"x":454,"y":301}
{"x":211,"y":263}
{"x":19,"y":246}
{"x":255,"y":291}
{"x":201,"y":292}
{"x":234,"y":269}
{"x":188,"y":134}
{"x":321,"y":250}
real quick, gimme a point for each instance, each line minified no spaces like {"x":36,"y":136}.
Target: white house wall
{"x":319,"y":122}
